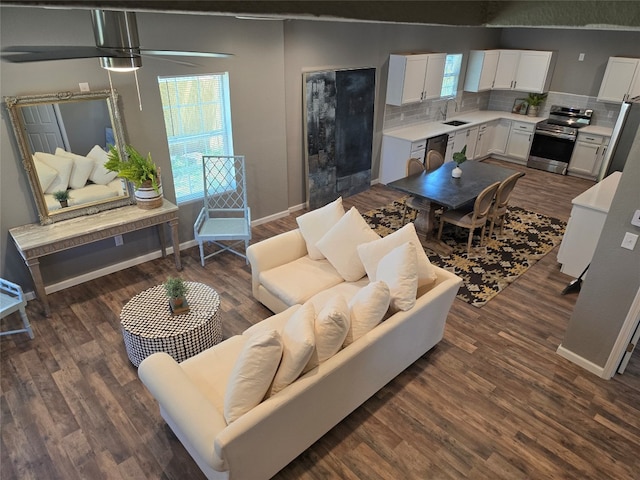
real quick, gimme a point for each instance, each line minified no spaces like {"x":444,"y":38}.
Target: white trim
{"x":580,"y":361}
{"x":619,"y":348}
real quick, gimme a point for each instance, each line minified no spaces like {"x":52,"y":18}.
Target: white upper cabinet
{"x":414,"y":78}
{"x":481,"y":70}
{"x":524,"y":70}
{"x":621,"y":80}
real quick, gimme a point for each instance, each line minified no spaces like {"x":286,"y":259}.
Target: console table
{"x":34,"y":240}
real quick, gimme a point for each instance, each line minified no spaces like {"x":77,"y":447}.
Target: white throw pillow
{"x":62,"y":165}
{"x":331,"y":327}
{"x":298,"y":341}
{"x":398,"y":269}
{"x":82,"y":168}
{"x":371,"y":253}
{"x":340,"y":244}
{"x":252,"y":374}
{"x":99,"y":174}
{"x":367,"y":308}
{"x":46,"y":174}
{"x":314,"y":224}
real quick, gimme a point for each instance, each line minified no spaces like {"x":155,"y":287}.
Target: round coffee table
{"x":148,"y":325}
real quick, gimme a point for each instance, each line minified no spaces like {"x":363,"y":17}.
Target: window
{"x":197,"y":118}
{"x":451,"y":74}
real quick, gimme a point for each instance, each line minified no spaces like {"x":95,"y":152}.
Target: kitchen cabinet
{"x":459,"y":139}
{"x":500,"y":136}
{"x":519,"y":142}
{"x":524,"y":70}
{"x":481,"y":70}
{"x":621,"y":80}
{"x":585,"y":224}
{"x":414,"y":78}
{"x":483,"y":144}
{"x":588,"y":154}
{"x":395,"y":154}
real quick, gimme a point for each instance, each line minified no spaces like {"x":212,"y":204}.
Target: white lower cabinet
{"x":519,"y":143}
{"x":500,"y":136}
{"x":485,"y":136}
{"x":587,"y":156}
{"x":459,"y":139}
{"x":395,"y":154}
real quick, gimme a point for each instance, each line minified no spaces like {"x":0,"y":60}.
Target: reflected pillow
{"x":46,"y":174}
{"x":62,"y":165}
{"x":99,"y":174}
{"x":82,"y":168}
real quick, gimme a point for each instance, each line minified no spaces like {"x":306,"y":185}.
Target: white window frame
{"x":452,"y":67}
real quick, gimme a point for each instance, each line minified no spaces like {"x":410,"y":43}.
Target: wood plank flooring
{"x":491,"y":401}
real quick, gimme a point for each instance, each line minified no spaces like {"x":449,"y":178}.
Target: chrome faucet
{"x":446,"y":108}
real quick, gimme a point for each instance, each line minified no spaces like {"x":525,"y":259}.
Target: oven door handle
{"x":564,"y":136}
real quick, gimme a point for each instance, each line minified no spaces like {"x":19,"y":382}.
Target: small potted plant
{"x":63,"y":197}
{"x":139,"y":170}
{"x":176,"y":289}
{"x":535,"y":100}
{"x":459,"y":157}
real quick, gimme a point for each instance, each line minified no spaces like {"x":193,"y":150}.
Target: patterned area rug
{"x":527,"y":237}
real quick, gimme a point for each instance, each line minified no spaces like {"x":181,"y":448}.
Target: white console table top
{"x":600,"y":196}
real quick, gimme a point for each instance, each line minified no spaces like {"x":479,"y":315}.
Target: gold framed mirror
{"x":63,"y":139}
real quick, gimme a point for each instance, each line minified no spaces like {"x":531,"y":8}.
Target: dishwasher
{"x":439,"y":144}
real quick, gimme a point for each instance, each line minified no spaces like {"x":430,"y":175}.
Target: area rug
{"x":528,"y":236}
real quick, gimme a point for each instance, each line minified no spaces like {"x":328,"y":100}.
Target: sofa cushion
{"x":99,"y":174}
{"x":297,"y":281}
{"x":366,"y":309}
{"x":371,"y":253}
{"x":82,"y":168}
{"x":347,"y":289}
{"x":46,"y":174}
{"x":62,"y":165}
{"x":252,"y":374}
{"x":340,"y":244}
{"x":298,"y":342}
{"x":314,"y":224}
{"x":399,"y":271}
{"x":274,"y":322}
{"x":331,"y":327}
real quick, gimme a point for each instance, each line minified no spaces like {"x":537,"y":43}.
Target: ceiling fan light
{"x":120,"y":64}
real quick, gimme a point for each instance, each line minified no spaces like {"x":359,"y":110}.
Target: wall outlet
{"x":610,"y":114}
{"x":629,"y":241}
{"x":402,"y":116}
{"x":84,"y":87}
{"x":581,"y":57}
{"x":119,"y":240}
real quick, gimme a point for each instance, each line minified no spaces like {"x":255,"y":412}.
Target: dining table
{"x":438,"y":188}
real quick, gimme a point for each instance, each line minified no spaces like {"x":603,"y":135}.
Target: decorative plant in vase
{"x":535,"y":100}
{"x":139,"y":170}
{"x":459,"y":157}
{"x":176,"y":289}
{"x":63,"y":197}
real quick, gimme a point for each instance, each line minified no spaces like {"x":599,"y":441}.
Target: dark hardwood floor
{"x":491,"y":401}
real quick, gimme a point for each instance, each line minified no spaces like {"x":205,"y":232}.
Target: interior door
{"x":630,"y":348}
{"x":45,"y":128}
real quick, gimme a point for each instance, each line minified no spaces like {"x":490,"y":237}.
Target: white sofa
{"x":270,"y":435}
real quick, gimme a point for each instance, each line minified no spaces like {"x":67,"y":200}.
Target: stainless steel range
{"x":555,"y":138}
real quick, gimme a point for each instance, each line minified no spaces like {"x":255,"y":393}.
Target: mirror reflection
{"x":64,"y":139}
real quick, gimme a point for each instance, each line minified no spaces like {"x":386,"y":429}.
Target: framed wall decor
{"x":520,"y":106}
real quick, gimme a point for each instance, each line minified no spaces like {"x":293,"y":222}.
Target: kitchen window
{"x":451,"y":75}
{"x":197,"y":117}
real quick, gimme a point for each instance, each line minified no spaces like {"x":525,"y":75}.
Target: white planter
{"x":147,"y":198}
{"x":456,"y":172}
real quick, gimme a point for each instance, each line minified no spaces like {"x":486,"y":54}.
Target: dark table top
{"x":440,"y":187}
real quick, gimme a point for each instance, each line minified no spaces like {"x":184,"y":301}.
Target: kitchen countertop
{"x":421,"y":131}
{"x":600,"y":196}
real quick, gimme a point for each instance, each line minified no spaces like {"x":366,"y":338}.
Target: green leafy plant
{"x":61,"y":195}
{"x":175,"y":287}
{"x":136,"y":168}
{"x":535,"y":99}
{"x":461,"y":156}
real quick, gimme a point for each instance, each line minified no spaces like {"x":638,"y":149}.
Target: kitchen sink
{"x":455,"y":123}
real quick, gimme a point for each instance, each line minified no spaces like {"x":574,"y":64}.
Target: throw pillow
{"x":46,"y":174}
{"x":298,"y":341}
{"x":367,"y":308}
{"x":99,"y":174}
{"x":331,"y":327}
{"x":62,"y":165}
{"x":252,"y":374}
{"x":340,"y":244}
{"x":314,"y":224}
{"x":398,"y":269}
{"x":371,"y":253}
{"x":82,"y":168}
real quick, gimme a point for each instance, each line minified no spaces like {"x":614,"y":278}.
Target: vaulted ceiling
{"x":589,"y":14}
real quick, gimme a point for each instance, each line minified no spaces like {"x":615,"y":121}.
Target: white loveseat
{"x":270,"y":435}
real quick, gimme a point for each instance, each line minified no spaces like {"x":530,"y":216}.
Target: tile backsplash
{"x":604,"y":114}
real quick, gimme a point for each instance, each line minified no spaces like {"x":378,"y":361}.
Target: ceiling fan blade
{"x":24,"y":54}
{"x":176,"y":53}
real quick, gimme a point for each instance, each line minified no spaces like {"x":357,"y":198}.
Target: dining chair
{"x":498,"y":211}
{"x":433,"y":160}
{"x":474,"y":218}
{"x":414,"y":165}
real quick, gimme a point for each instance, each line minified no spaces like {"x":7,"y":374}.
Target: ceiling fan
{"x":117,"y":46}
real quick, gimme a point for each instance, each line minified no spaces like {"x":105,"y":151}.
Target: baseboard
{"x":582,"y":362}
